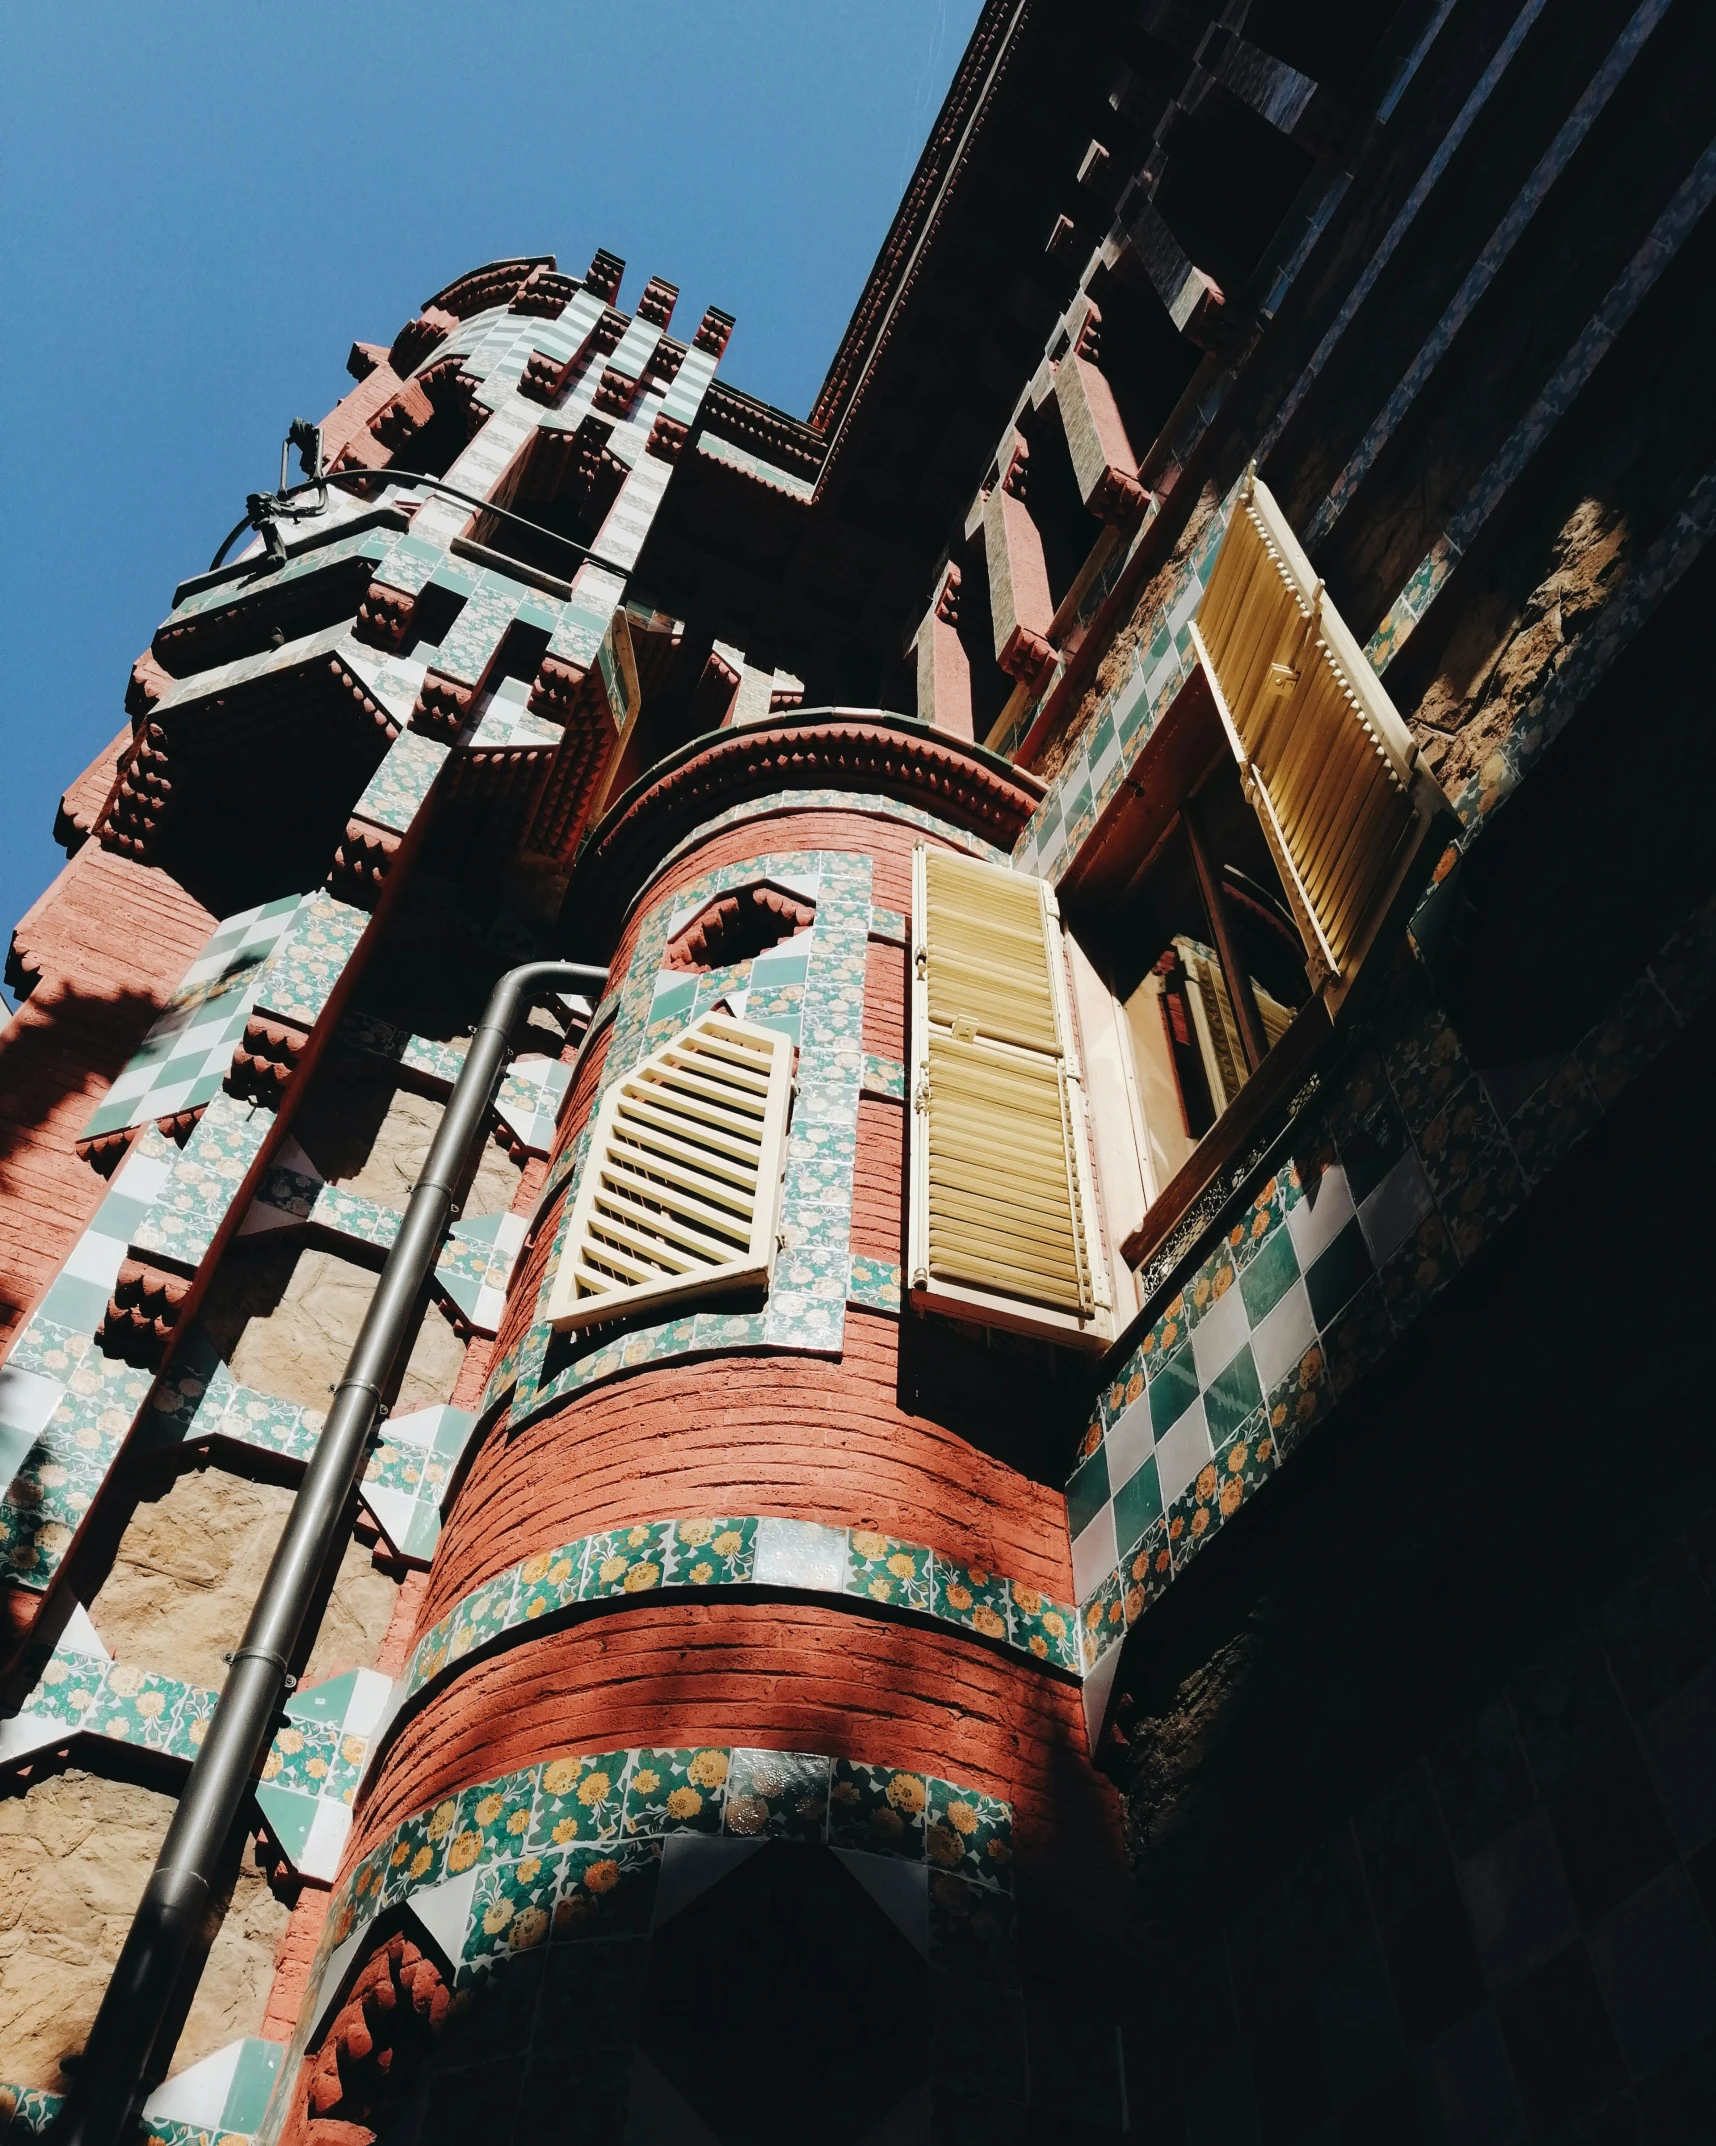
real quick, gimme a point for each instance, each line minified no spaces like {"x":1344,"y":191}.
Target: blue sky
{"x":202,"y":206}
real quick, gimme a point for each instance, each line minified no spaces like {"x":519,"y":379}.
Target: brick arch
{"x":374,"y":2048}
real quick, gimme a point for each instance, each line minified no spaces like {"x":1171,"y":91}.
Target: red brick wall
{"x":783,"y":1676}
{"x":802,"y":1436}
{"x":109,"y":941}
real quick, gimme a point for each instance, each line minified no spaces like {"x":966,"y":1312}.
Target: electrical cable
{"x":264,"y":509}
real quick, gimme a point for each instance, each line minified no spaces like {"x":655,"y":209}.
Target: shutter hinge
{"x":920,"y":962}
{"x":921,"y":1093}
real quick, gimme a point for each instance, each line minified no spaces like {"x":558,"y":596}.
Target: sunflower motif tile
{"x":1102,"y":1620}
{"x":69,"y":1687}
{"x":627,"y":1561}
{"x":481,"y":1615}
{"x":579,"y":1801}
{"x":969,"y":1834}
{"x":777,"y":1795}
{"x":1294,"y":1403}
{"x":492,"y":1822}
{"x":345,"y":1767}
{"x":714,"y":1553}
{"x":972,"y":1596}
{"x":972,"y":1932}
{"x":1413,"y":1273}
{"x":512,"y":1912}
{"x":417,"y":1854}
{"x":606,"y":1892}
{"x":1195,"y":1516}
{"x":1358,"y":1339}
{"x":300,"y":1757}
{"x":874,"y":1283}
{"x":137,"y":1707}
{"x":1552,"y":1120}
{"x":1045,"y":1628}
{"x":877,"y":1809}
{"x":1243,"y":1463}
{"x":548,"y":1580}
{"x":1146,"y":1570}
{"x":675,"y":1792}
{"x":887,"y":1571}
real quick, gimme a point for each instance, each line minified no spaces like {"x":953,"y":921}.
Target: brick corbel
{"x":1104,"y":465}
{"x":443,"y":706}
{"x":142,"y":1312}
{"x":667,"y":438}
{"x":384,"y":616}
{"x":418,"y":337}
{"x":1019,"y":601}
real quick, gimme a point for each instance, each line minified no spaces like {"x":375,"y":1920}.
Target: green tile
{"x":1172,"y":1390}
{"x":1268,"y":1278}
{"x":1231,"y":1397}
{"x":1136,"y":1504}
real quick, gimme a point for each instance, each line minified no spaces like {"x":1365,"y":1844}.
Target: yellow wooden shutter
{"x":1329,"y":765}
{"x":1002,"y":1209}
{"x":680,"y":1192}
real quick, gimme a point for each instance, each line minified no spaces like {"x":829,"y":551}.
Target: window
{"x":680,"y":1193}
{"x":1074,"y":1088}
{"x":1326,"y":759}
{"x":1003,"y":1218}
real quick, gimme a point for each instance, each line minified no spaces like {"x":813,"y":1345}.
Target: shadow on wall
{"x":58,"y":1054}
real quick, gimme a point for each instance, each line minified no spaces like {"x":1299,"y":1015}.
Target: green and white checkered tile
{"x":315,"y":1763}
{"x":476,"y":1264}
{"x":529,"y":1101}
{"x":186,"y":1055}
{"x":219,"y":2102}
{"x":408,"y":1475}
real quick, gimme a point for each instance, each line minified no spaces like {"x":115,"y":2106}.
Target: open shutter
{"x":1002,"y":1211}
{"x":680,"y":1194}
{"x":1328,"y":763}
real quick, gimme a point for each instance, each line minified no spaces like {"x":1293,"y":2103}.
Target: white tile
{"x":1321,"y":1215}
{"x":1219,"y":1336}
{"x":96,"y":1259}
{"x":1098,"y":1687}
{"x":27,"y":1400}
{"x":1129,"y":1442}
{"x":1395,"y":1207}
{"x":798,"y":1553}
{"x":1182,"y":1451}
{"x":1284,"y":1336}
{"x":142,"y":1177}
{"x":1095,"y":1554}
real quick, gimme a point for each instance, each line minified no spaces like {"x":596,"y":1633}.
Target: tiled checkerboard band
{"x":185,"y":1056}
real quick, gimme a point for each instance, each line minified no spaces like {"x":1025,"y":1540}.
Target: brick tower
{"x":1034,"y":1484}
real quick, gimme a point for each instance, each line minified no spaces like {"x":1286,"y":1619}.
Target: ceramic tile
{"x":675,"y":1792}
{"x":491,"y":1823}
{"x":777,"y":1795}
{"x":970,"y":1835}
{"x":579,"y":1802}
{"x":1044,"y":1628}
{"x":878,"y":1810}
{"x":606,"y":1892}
{"x":627,"y":1561}
{"x":972,"y":1596}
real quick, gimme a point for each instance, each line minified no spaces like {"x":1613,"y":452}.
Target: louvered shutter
{"x":680,"y":1192}
{"x":1328,"y":763}
{"x":1002,"y":1209}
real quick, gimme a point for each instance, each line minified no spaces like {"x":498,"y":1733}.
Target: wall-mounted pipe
{"x":113,"y":2073}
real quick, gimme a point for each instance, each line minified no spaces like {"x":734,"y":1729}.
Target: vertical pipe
{"x":113,"y":2074}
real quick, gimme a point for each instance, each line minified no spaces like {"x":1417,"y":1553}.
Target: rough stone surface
{"x":186,"y":1573}
{"x":75,"y":1853}
{"x":1500,"y":657}
{"x":373,"y":1140}
{"x":286,"y":1317}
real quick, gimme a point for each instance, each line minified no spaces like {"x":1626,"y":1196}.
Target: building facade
{"x":1055,"y":1481}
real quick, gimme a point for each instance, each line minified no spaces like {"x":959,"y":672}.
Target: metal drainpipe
{"x":112,"y":2074}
